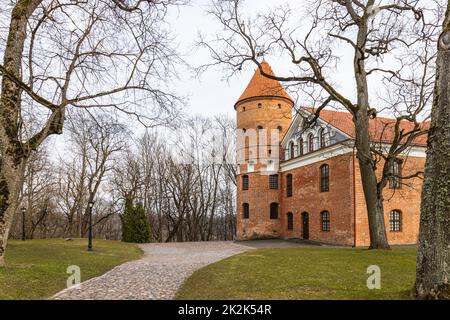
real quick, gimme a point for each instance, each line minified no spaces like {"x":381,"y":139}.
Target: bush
{"x":135,"y":225}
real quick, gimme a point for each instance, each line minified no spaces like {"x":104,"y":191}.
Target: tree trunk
{"x":374,"y":200}
{"x":433,"y":258}
{"x":12,"y":152}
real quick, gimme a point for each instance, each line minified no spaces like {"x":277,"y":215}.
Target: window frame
{"x":274,"y":208}
{"x":291,"y":150}
{"x":310,"y":142}
{"x":324,"y":177}
{"x":322,"y":138}
{"x":245,"y":182}
{"x":290,"y":221}
{"x":395,"y":221}
{"x":395,"y":169}
{"x":289,"y":185}
{"x":325,"y":221}
{"x":273,"y":181}
{"x":245,"y":210}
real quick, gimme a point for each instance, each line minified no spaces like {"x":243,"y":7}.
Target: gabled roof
{"x":260,"y":86}
{"x":381,"y":129}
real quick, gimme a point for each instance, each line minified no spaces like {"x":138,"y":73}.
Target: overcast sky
{"x":210,"y":94}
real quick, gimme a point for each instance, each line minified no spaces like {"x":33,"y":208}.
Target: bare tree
{"x":375,"y":33}
{"x":60,"y":54}
{"x":95,"y":142}
{"x":433,"y":258}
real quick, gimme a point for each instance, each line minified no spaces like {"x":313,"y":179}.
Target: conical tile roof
{"x":260,"y":86}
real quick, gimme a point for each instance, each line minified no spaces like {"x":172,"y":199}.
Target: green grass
{"x":304,"y":273}
{"x":36,"y":269}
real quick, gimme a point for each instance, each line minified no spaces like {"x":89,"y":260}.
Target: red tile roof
{"x":260,"y":86}
{"x":381,"y":129}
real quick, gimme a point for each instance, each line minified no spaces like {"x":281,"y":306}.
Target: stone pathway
{"x":158,"y":275}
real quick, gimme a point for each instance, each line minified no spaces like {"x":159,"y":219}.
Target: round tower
{"x":263,"y":114}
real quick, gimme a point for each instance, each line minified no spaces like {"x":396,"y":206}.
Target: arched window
{"x":274,"y":210}
{"x":396,"y":173}
{"x":322,"y":137}
{"x":291,"y":150}
{"x":289,"y":185}
{"x":325,"y":220}
{"x":395,"y":221}
{"x":273,"y":181}
{"x":290,"y":221}
{"x":310,"y":142}
{"x":245,"y":211}
{"x":300,"y":147}
{"x":245,"y":182}
{"x":324,"y":178}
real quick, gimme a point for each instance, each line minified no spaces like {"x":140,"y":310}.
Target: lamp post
{"x":23,"y":222}
{"x":90,"y":204}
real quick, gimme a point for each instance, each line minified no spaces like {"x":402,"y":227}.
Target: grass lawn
{"x":36,"y":269}
{"x":304,"y":273}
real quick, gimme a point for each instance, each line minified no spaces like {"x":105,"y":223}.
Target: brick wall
{"x":306,"y":197}
{"x":406,"y":199}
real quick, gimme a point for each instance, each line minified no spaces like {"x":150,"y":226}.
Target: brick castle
{"x":305,"y":183}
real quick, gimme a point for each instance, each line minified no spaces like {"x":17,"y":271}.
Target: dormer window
{"x":311,"y":142}
{"x":322,"y":137}
{"x":291,"y":150}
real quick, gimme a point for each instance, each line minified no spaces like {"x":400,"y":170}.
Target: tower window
{"x":324,"y":178}
{"x":279,"y":106}
{"x":245,"y":182}
{"x":395,"y":221}
{"x":395,"y":171}
{"x":260,"y":127}
{"x":273,"y":181}
{"x":245,"y":211}
{"x":259,"y":105}
{"x":325,"y":220}
{"x":274,"y":210}
{"x":289,"y":185}
{"x":290,"y":221}
{"x":243,"y":108}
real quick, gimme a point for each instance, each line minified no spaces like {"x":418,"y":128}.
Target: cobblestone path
{"x":157,"y":275}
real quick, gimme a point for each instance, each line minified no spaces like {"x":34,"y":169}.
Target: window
{"x":291,"y":150}
{"x":310,"y":142}
{"x":274,"y":210}
{"x":325,"y":220}
{"x":289,"y":185}
{"x":300,"y":147}
{"x":245,"y":182}
{"x":324,"y":178}
{"x":396,"y":169}
{"x":322,"y":138}
{"x":259,"y":105}
{"x":273,"y":181}
{"x":245,"y":211}
{"x":260,"y":127}
{"x":290,"y":221}
{"x":395,"y":221}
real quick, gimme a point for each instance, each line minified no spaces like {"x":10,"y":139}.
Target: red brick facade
{"x":344,"y":200}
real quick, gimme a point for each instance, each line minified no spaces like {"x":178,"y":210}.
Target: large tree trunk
{"x":433,"y":258}
{"x":374,"y":200}
{"x":12,"y":152}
